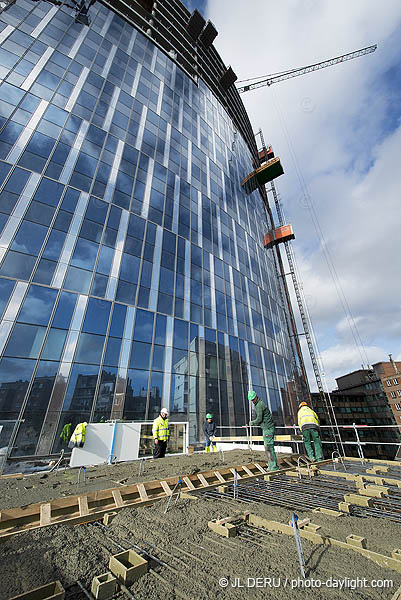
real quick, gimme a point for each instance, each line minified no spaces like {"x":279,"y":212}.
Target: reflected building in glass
{"x":132,"y":268}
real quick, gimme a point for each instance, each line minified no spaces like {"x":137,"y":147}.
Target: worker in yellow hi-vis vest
{"x":161,"y":434}
{"x":308,"y":421}
{"x":78,"y":436}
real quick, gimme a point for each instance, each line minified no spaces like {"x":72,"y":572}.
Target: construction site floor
{"x":39,"y":487}
{"x":196,"y":559}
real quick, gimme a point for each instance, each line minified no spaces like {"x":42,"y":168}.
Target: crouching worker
{"x":264,"y":420}
{"x":308,"y":421}
{"x":209,"y":430}
{"x":161,"y":434}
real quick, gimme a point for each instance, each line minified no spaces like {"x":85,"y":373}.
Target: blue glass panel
{"x":15,"y":375}
{"x":136,"y":226}
{"x":143,"y":330}
{"x":84,"y":254}
{"x":29,"y":238}
{"x":180,"y":334}
{"x":105,"y":394}
{"x":126,"y":292}
{"x":6,"y":288}
{"x":81,"y":388}
{"x":25,"y":341}
{"x":129,"y":268}
{"x":39,"y":213}
{"x":78,"y":280}
{"x":97,"y":316}
{"x":40,"y":144}
{"x":54,"y":344}
{"x":65,"y":310}
{"x":158,"y":358}
{"x":135,"y":397}
{"x":104,"y":263}
{"x":17,"y":265}
{"x":112,"y":353}
{"x":140,"y":355}
{"x":17,"y":181}
{"x":70,"y":200}
{"x":118,"y":320}
{"x":99,"y":285}
{"x":42,"y":386}
{"x":38,"y":305}
{"x":49,"y":192}
{"x":4,"y":171}
{"x":90,"y":348}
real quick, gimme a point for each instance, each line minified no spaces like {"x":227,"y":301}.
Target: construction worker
{"x":264,"y":420}
{"x":78,"y":437}
{"x":209,"y":429}
{"x":308,"y":421}
{"x":160,"y":434}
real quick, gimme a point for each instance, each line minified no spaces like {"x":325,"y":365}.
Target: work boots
{"x":207,"y":449}
{"x":271,"y":459}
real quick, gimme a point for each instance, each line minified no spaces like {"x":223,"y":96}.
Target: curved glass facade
{"x":132,"y":273}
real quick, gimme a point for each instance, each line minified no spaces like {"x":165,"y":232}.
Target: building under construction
{"x":140,"y":267}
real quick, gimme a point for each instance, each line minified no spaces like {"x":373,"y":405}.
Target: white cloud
{"x":347,"y":149}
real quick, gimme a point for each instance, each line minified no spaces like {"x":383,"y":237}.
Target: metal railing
{"x":355,"y":428}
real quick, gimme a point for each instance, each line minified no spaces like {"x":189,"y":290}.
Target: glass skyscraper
{"x":132,"y":268}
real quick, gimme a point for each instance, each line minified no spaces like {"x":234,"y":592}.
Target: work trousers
{"x":309,"y":435}
{"x":159,"y":450}
{"x":268,"y":440}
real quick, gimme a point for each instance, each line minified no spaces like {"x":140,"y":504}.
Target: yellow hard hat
{"x":303,"y":404}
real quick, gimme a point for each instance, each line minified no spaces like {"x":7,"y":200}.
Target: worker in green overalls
{"x":264,"y":420}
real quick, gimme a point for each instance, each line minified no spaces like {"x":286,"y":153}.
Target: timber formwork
{"x":93,"y":506}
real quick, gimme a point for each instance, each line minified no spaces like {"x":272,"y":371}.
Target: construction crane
{"x":265,"y":155}
{"x":277,"y":77}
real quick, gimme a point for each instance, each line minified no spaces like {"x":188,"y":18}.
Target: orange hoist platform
{"x":278,"y":236}
{"x":262,"y":175}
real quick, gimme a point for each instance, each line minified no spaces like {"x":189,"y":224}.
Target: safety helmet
{"x":164,"y":410}
{"x":303,"y":404}
{"x":209,"y":416}
{"x":251,"y":395}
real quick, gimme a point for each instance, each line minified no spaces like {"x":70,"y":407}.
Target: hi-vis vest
{"x":160,"y":429}
{"x":307,"y":416}
{"x":78,"y":437}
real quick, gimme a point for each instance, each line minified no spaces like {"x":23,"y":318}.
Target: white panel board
{"x":126,"y":445}
{"x":97,"y":445}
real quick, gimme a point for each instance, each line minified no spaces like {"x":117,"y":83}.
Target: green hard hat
{"x":251,"y":395}
{"x":209,"y":416}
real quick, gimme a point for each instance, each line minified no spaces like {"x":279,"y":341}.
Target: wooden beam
{"x":83,"y":506}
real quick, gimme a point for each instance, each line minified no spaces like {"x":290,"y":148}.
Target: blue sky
{"x":347,"y":145}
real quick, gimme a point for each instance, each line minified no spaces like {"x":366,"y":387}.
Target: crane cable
{"x":309,"y":204}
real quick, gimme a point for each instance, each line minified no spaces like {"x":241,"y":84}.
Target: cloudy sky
{"x":340,"y":129}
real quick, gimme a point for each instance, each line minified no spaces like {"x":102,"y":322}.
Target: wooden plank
{"x":220,"y":477}
{"x":166,"y":487}
{"x":261,"y":469}
{"x":45,"y":514}
{"x":189,"y":483}
{"x":202,"y":480}
{"x":118,"y":498}
{"x":247,"y":471}
{"x":83,"y":506}
{"x":234,"y":471}
{"x":142,"y":492}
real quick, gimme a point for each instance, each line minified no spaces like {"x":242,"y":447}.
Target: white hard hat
{"x":164,"y":410}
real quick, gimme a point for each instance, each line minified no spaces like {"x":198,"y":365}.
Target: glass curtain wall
{"x":132,"y":267}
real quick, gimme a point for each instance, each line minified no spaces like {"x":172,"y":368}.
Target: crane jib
{"x":270,"y":79}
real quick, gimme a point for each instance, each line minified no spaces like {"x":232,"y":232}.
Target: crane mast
{"x":276,"y":78}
